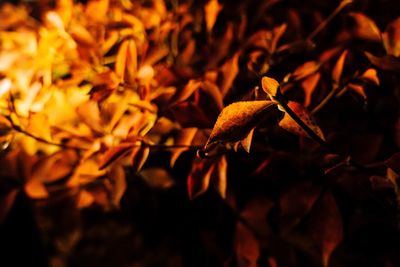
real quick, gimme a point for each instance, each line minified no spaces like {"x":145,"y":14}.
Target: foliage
{"x":291,"y":120}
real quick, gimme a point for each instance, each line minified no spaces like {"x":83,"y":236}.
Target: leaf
{"x":115,"y":153}
{"x":290,"y":125}
{"x":270,"y":86}
{"x":96,"y":10}
{"x":246,"y":142}
{"x":38,"y":125}
{"x":185,"y":138}
{"x":139,"y":156}
{"x":309,"y":84}
{"x":391,"y":38}
{"x":371,"y":76}
{"x":365,"y":28}
{"x":85,"y":199}
{"x":384,"y":63}
{"x":237,"y":120}
{"x":338,"y":69}
{"x":219,"y":176}
{"x":6,"y":203}
{"x":325,"y":226}
{"x":35,"y":189}
{"x":118,"y":180}
{"x":157,"y":178}
{"x":121,"y":58}
{"x":186,"y":92}
{"x":247,"y":247}
{"x":131,"y":65}
{"x":200,"y":176}
{"x":211,"y":10}
{"x":305,"y":70}
{"x":359,"y":89}
{"x":229,"y":71}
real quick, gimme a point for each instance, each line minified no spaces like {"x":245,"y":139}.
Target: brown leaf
{"x":247,"y":247}
{"x":115,"y":153}
{"x":391,"y":38}
{"x":219,"y":174}
{"x":365,"y":27}
{"x":200,"y":176}
{"x":246,"y":142}
{"x":184,"y":137}
{"x":326,"y":226}
{"x":290,"y":125}
{"x":237,"y":120}
{"x":118,"y":180}
{"x":139,"y":157}
{"x":338,"y":69}
{"x":6,"y":203}
{"x":157,"y":178}
{"x":229,"y":71}
{"x":387,"y":63}
{"x":270,"y":86}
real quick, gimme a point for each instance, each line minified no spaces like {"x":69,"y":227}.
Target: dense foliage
{"x":200,"y":133}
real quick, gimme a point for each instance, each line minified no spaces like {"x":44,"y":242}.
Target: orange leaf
{"x":200,"y":176}
{"x":120,"y":60}
{"x":219,"y":176}
{"x":184,"y":137}
{"x":85,"y":199}
{"x":359,"y":89}
{"x":305,"y":70}
{"x":35,"y":189}
{"x":157,"y":178}
{"x":131,"y":65}
{"x":338,"y":69}
{"x":211,"y":10}
{"x":246,"y":142}
{"x":237,"y":120}
{"x":365,"y":28}
{"x":97,"y":9}
{"x":371,"y":75}
{"x":309,"y":84}
{"x":115,"y":153}
{"x":391,"y":38}
{"x":118,"y":180}
{"x":229,"y":71}
{"x":270,"y":86}
{"x":139,"y":157}
{"x":384,"y":63}
{"x":290,"y":125}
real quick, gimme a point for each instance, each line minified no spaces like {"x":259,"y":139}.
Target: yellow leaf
{"x":270,"y":86}
{"x":120,"y":61}
{"x":211,"y":10}
{"x":38,"y":125}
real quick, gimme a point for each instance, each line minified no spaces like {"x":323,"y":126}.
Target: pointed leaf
{"x":219,"y":176}
{"x":115,"y":153}
{"x":290,"y":125}
{"x":200,"y":176}
{"x":371,"y":75}
{"x":338,"y":69}
{"x":246,"y":142}
{"x":270,"y":86}
{"x":365,"y":27}
{"x":237,"y":120}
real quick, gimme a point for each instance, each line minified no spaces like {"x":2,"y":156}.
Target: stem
{"x":325,"y":101}
{"x":321,"y":26}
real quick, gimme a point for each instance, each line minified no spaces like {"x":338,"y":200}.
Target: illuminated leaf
{"x":97,"y":9}
{"x":270,"y":86}
{"x":35,"y":189}
{"x":211,"y":10}
{"x":365,"y":27}
{"x":115,"y":153}
{"x":118,"y":180}
{"x":184,"y":137}
{"x":219,"y":176}
{"x":85,"y":199}
{"x":237,"y":120}
{"x":305,"y":70}
{"x":391,"y":38}
{"x":157,"y":178}
{"x":290,"y":125}
{"x":139,"y":157}
{"x":338,"y":69}
{"x":309,"y":84}
{"x":246,"y":142}
{"x":121,"y":58}
{"x":229,"y":71}
{"x":359,"y":89}
{"x":371,"y":76}
{"x":200,"y":176}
